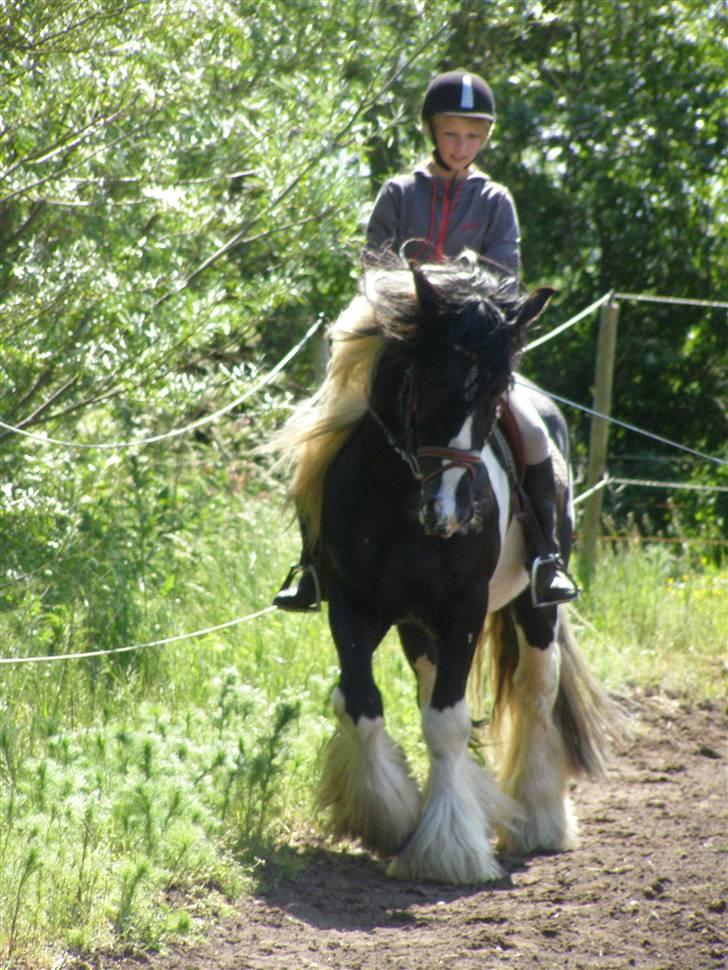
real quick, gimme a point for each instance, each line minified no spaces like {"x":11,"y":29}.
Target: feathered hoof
{"x":368,"y":791}
{"x":555,"y":831}
{"x":381,"y":829}
{"x":469,"y":868}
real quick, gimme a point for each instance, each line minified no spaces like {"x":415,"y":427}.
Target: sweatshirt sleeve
{"x":383,"y":225}
{"x":502,"y":242}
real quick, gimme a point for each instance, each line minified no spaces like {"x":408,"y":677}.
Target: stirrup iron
{"x":305,"y":570}
{"x":550,"y":565}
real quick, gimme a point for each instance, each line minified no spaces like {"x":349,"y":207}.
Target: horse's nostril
{"x":430,"y":516}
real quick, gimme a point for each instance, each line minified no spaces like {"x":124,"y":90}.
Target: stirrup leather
{"x":550,"y":564}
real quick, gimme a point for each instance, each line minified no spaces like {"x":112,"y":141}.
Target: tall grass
{"x":656,"y":618}
{"x":137,"y":794}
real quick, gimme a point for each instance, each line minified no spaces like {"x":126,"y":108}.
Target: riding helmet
{"x":458,"y":93}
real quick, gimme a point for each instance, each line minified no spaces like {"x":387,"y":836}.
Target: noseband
{"x":453,"y":457}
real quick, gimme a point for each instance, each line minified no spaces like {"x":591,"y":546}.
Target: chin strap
{"x":440,"y":160}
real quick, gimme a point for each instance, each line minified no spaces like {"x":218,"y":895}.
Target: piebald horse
{"x":408,"y":503}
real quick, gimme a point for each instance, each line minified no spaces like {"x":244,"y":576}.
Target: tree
{"x":183,"y":188}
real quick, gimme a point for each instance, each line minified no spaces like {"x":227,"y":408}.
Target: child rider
{"x":443,"y":207}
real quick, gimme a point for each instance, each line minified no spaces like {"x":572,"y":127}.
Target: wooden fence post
{"x":603,"y":380}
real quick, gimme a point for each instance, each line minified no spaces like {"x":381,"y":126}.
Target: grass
{"x":138,"y":793}
{"x":655,"y":619}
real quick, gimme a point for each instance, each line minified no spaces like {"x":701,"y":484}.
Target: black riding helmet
{"x":458,"y":93}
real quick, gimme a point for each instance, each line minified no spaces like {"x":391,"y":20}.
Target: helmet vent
{"x":467,"y":101}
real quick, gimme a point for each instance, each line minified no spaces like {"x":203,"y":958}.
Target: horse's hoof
{"x":472,"y":871}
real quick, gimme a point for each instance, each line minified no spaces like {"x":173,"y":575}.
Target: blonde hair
{"x":319,"y":426}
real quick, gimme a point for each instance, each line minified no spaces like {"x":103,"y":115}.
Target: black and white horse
{"x":409,"y":505}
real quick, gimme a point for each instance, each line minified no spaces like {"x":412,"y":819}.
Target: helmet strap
{"x":435,"y":150}
{"x":440,"y":160}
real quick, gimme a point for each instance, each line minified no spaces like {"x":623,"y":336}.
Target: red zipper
{"x":447,"y":210}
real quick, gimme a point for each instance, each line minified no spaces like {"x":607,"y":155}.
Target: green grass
{"x":139,"y":792}
{"x":656,"y":619}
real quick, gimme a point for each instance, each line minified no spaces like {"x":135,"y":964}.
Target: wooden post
{"x":603,"y":380}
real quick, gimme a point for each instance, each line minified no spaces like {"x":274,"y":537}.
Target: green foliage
{"x":127,"y":782}
{"x":183,"y":190}
{"x":656,"y":619}
{"x":113,"y":817}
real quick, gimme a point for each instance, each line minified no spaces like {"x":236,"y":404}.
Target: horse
{"x":409,"y":504}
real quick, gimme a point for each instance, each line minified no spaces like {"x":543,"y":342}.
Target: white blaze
{"x":450,"y":479}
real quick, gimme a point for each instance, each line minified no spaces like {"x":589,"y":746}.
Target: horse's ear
{"x":426,"y":294}
{"x":534,"y":304}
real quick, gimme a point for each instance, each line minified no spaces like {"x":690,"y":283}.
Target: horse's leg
{"x":365,"y":781}
{"x":462,"y":804}
{"x":420,"y":650}
{"x":535,"y":768}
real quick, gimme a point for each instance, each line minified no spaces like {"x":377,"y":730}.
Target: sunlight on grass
{"x":128,"y":782}
{"x":648,"y":620}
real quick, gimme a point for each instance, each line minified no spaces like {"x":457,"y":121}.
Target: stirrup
{"x":285,"y":602}
{"x":546,"y":569}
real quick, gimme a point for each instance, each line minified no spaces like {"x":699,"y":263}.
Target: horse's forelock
{"x":473,"y":308}
{"x":460,"y":286}
{"x":391,"y":296}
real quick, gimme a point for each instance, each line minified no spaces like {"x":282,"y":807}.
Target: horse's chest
{"x":397,"y":564}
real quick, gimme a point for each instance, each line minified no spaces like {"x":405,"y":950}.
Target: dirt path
{"x":648,"y":887}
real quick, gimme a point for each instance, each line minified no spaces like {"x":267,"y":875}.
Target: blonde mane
{"x":320,"y":425}
{"x":386,"y":308}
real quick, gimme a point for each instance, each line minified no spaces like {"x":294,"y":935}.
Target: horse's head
{"x":463,"y":348}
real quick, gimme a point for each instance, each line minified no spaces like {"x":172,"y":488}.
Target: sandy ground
{"x":647,"y":888}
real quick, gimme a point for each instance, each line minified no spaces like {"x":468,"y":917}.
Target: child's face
{"x":459,"y":139}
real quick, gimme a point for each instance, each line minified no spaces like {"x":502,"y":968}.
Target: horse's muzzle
{"x":451,"y":502}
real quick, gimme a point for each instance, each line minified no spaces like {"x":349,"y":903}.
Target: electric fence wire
{"x":140,"y":646}
{"x":266,"y":380}
{"x":176,"y":432}
{"x":630,"y":427}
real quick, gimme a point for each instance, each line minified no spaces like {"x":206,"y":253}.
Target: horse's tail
{"x":475,"y":694}
{"x":587,"y":719}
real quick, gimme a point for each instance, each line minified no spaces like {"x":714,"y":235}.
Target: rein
{"x":453,"y":457}
{"x":407,"y":456}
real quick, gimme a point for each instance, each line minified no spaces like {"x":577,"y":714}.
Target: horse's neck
{"x":386,"y":390}
{"x":501,"y":480}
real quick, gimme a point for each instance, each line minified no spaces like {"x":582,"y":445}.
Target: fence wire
{"x":175,"y":432}
{"x":208,"y":419}
{"x":140,"y":646}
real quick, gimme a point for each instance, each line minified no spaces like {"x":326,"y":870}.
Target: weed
{"x":133,"y":781}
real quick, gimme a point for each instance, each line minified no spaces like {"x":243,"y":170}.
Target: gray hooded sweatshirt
{"x":427,"y":218}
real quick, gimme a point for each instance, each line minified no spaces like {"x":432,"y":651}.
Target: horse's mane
{"x":385,"y":309}
{"x":318,"y":427}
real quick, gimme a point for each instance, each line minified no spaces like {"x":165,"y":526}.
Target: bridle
{"x":464,"y":458}
{"x":453,"y":458}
